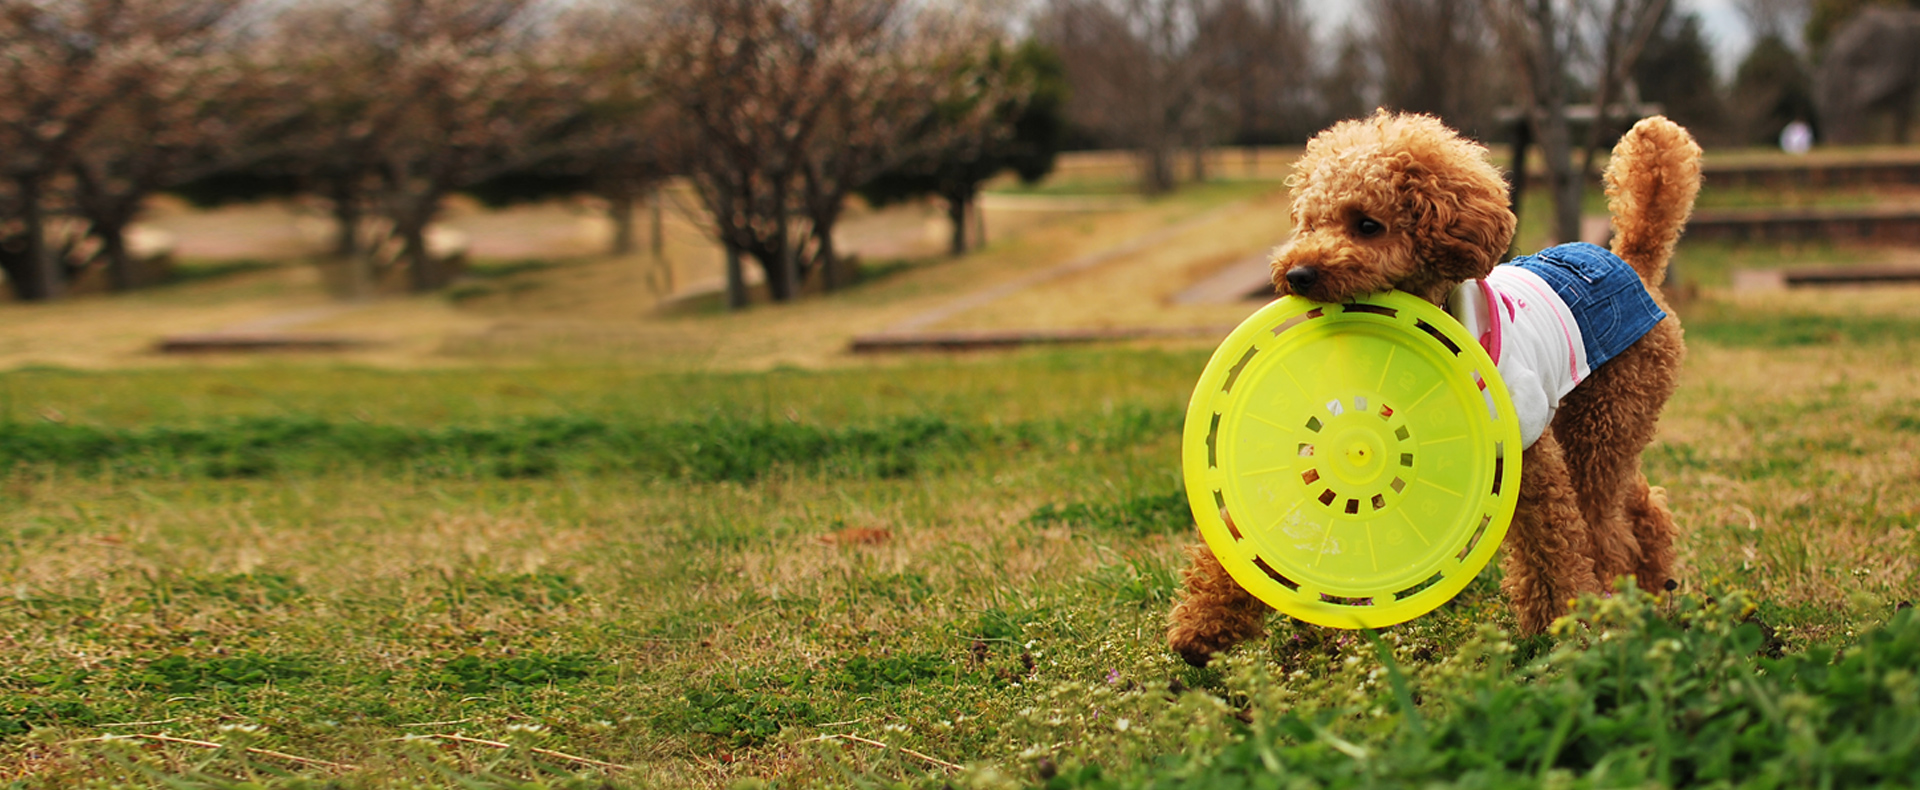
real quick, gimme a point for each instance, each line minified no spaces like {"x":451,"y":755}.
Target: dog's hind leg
{"x":1214,"y":613}
{"x":1549,"y":552}
{"x":1603,"y":425}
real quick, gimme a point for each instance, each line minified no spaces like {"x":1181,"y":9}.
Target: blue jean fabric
{"x":1608,"y":301}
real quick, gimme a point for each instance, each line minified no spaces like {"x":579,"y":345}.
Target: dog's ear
{"x":1464,"y":227}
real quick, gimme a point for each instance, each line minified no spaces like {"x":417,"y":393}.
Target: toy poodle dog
{"x":1581,"y":336}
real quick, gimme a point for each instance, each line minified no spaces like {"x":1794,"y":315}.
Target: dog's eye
{"x":1368,"y":227}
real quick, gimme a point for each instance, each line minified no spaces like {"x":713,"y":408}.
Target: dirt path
{"x":1087,"y":266}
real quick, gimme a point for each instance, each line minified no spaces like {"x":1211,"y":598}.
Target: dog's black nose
{"x":1300,"y":278}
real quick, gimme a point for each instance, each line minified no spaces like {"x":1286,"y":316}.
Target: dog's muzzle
{"x":1301,"y":278}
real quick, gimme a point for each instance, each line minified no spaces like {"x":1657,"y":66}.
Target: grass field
{"x":714,"y":550}
{"x":713,"y":577}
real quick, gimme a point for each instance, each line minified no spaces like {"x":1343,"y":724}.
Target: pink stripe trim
{"x":1494,"y":318}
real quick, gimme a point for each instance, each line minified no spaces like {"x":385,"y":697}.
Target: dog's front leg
{"x":1549,"y":553}
{"x":1214,"y":613}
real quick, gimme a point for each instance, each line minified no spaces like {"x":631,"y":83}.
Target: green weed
{"x":470,"y":674}
{"x":1636,"y":693}
{"x":179,"y":674}
{"x":1142,"y":515}
{"x":867,"y":674}
{"x":741,"y":718}
{"x":713,"y":449}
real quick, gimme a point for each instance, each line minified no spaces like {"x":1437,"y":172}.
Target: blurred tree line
{"x":777,"y":111}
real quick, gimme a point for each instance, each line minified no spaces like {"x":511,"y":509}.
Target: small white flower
{"x":1123,"y":724}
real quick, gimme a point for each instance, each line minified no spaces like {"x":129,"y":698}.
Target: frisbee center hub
{"x":1358,"y":456}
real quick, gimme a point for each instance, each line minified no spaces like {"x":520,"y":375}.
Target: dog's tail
{"x":1651,"y":183}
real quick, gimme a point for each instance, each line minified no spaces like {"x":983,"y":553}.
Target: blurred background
{"x":457,"y":177}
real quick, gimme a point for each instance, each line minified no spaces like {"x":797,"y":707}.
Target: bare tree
{"x":1781,"y":19}
{"x":1624,"y":27}
{"x":1137,"y":74}
{"x":1258,"y":56}
{"x":788,"y":106}
{"x":410,"y":100}
{"x":64,"y":66}
{"x":618,"y":149}
{"x":1349,"y":87}
{"x":879,"y":114}
{"x":1002,"y":111}
{"x":1438,"y":57}
{"x":193,"y":114}
{"x":339,"y":55}
{"x":475,"y":97}
{"x":1549,"y":44}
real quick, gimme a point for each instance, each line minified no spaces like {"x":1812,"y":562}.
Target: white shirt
{"x":1532,"y":337}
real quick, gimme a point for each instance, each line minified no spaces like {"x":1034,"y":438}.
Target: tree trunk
{"x":620,"y":209}
{"x":410,"y":225}
{"x":979,"y":222}
{"x":1158,"y":178}
{"x":346,"y":238}
{"x":346,"y":220}
{"x":112,"y":233}
{"x":786,"y":285}
{"x":422,"y":269}
{"x":658,"y":237}
{"x":37,"y":277}
{"x":829,"y":260}
{"x":1517,"y":194}
{"x":958,"y":207}
{"x":1545,"y":64}
{"x":736,"y":279}
{"x":108,"y":216}
{"x":1562,"y":179}
{"x":1549,"y":118}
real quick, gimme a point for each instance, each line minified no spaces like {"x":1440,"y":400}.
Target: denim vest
{"x":1606,"y":296}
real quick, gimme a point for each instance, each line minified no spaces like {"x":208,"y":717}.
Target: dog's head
{"x":1392,"y":201}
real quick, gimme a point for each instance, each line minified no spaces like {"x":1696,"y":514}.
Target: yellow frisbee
{"x":1352,"y":465}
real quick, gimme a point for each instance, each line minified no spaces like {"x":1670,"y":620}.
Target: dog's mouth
{"x":1328,"y":284}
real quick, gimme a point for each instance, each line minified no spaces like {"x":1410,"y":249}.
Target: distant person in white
{"x":1797,"y":138}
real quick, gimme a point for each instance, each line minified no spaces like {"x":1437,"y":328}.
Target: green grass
{"x":1745,"y":327}
{"x":711,"y":578}
{"x":202,"y":271}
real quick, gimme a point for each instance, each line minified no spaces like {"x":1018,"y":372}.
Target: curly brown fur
{"x":1401,"y":202}
{"x":1652,"y":179}
{"x":1214,"y":613}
